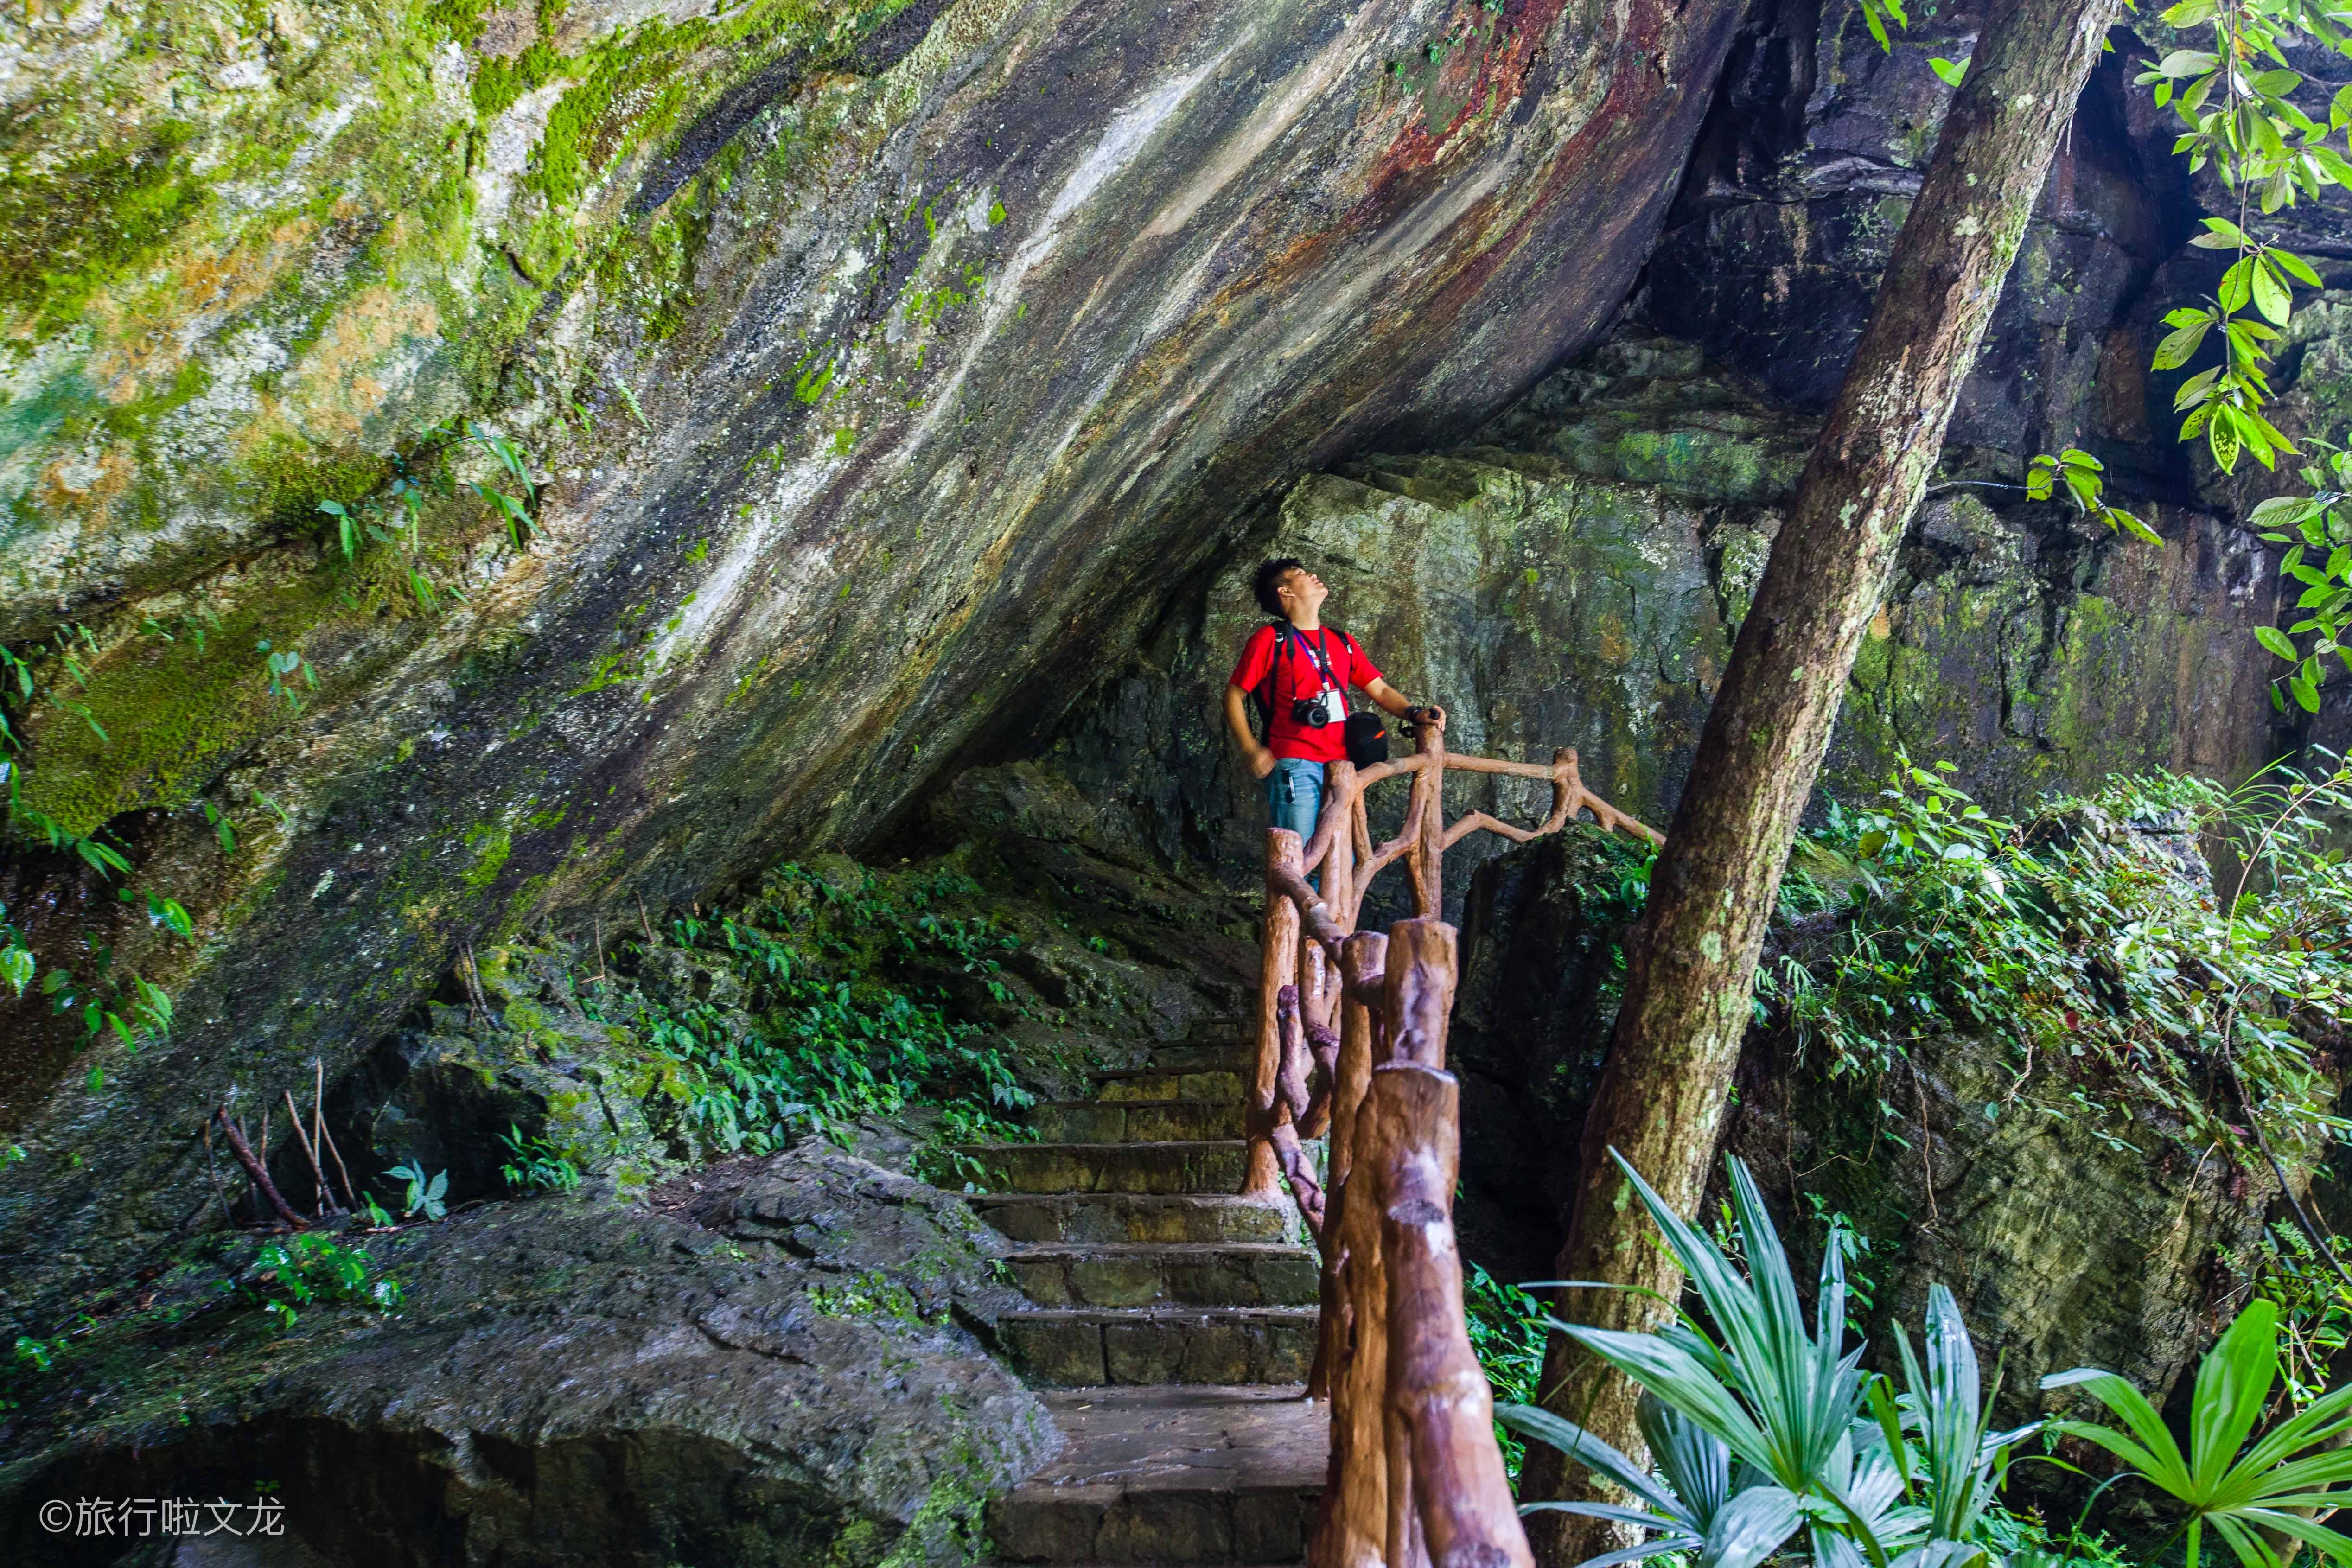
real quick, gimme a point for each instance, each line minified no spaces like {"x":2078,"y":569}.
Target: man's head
{"x":1287,"y":590}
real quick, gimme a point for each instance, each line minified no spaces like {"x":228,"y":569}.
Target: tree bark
{"x":1693,"y":959}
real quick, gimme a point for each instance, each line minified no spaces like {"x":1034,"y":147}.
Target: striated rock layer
{"x":870,"y":362}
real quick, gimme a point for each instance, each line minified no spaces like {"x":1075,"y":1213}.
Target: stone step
{"x":1151,"y":1083}
{"x":1085,"y":1346}
{"x":1188,"y":1166}
{"x":1134,"y":1121}
{"x":1193,"y":1275}
{"x":1137,"y":1218}
{"x":1175,"y":1476}
{"x":1237,"y":1056}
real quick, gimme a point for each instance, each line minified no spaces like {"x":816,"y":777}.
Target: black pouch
{"x":1367,"y":740}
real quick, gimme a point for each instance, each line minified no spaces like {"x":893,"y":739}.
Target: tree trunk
{"x":1687,"y":1005}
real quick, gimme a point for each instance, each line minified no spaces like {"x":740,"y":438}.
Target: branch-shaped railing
{"x":1416,"y":1477}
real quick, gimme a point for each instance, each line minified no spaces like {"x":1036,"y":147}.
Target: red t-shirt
{"x":1296,"y":675}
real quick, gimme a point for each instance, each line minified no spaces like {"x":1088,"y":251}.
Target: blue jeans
{"x":1294,"y":795}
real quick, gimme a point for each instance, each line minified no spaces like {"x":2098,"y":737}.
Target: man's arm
{"x":1389,"y":698}
{"x":1260,"y":760}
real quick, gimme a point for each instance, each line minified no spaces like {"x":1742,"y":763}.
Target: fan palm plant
{"x":1766,"y":1426}
{"x":2265,"y":1499}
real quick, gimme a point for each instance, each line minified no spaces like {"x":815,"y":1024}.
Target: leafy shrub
{"x":2080,"y":954}
{"x":290,"y":1274}
{"x":1506,"y":1335}
{"x":1762,"y":1428}
{"x":838,"y":1021}
{"x":2241,"y":1486}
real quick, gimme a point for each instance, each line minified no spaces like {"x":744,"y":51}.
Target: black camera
{"x":1313,"y":712}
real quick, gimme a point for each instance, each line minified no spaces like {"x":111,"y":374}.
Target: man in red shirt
{"x":1301,"y":670}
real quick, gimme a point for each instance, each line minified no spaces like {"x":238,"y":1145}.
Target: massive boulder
{"x":854,"y":376}
{"x":776,"y":1368}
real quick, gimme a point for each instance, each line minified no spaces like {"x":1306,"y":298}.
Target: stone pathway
{"x":1179,"y":1320}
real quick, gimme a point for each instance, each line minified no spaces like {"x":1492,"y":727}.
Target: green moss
{"x":65,"y":230}
{"x":172,"y":712}
{"x":287,"y":479}
{"x":491,"y":845}
{"x":498,"y":83}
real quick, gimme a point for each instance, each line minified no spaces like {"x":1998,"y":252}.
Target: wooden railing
{"x":1351,"y":1041}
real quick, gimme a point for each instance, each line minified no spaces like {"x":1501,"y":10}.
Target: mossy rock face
{"x":1576,"y":576}
{"x":779,"y":301}
{"x":568,"y":1383}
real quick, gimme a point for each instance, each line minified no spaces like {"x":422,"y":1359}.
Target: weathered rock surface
{"x":572,"y":1383}
{"x":1576,"y":579}
{"x":848,"y":1216}
{"x":1813,"y":150}
{"x":954,"y":329}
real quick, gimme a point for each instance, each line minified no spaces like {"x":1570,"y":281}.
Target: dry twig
{"x":254,"y":1169}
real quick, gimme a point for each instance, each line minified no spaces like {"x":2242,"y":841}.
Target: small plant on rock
{"x":423,"y":1196}
{"x":291,"y":1274}
{"x":535,"y":1163}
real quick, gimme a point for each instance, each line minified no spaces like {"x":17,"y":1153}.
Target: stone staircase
{"x":1173,"y":1324}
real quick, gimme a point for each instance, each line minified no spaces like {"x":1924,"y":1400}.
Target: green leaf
{"x":1752,"y":1527}
{"x":2232,"y":1384}
{"x":2272,"y":295}
{"x":2154,"y":1454}
{"x":2237,"y":285}
{"x":1949,"y":72}
{"x":2305,"y":694}
{"x":2197,"y":388}
{"x":17,"y":966}
{"x":2282,"y":511}
{"x":2276,"y":641}
{"x":2221,"y":435}
{"x":2295,"y":265}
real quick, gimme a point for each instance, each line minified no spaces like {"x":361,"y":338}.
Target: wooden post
{"x":1440,"y":1412}
{"x":1360,"y":958}
{"x":1277,"y":962}
{"x":1415,"y":1476}
{"x":1420,"y":990}
{"x":1352,"y":1519}
{"x":1428,"y":865}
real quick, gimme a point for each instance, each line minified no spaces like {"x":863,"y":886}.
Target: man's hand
{"x":1261,"y":762}
{"x":1434,"y":716}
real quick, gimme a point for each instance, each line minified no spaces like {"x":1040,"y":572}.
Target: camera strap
{"x":1320,"y":659}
